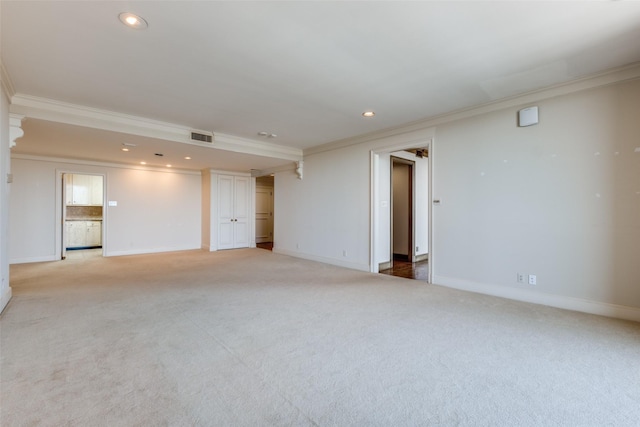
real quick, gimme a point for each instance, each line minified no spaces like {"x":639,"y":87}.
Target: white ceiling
{"x":302,"y":70}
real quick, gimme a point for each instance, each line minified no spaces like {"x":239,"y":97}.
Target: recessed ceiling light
{"x":187,"y":158}
{"x":168,"y":166}
{"x":263,"y":133}
{"x":143,"y":163}
{"x":368,"y":114}
{"x":132,"y":20}
{"x":124,"y":149}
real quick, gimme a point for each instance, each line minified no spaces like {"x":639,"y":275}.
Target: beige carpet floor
{"x":252,"y":338}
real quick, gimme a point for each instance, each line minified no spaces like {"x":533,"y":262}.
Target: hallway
{"x":408,"y":270}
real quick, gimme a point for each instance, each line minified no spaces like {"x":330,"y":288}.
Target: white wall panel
{"x":156,"y":210}
{"x":560,"y":200}
{"x":5,"y":168}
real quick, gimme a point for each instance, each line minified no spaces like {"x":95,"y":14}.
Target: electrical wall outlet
{"x":417,"y":249}
{"x":520,"y":277}
{"x":344,"y":252}
{"x":532,"y":279}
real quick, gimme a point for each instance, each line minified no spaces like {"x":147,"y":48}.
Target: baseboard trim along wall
{"x":4,"y":300}
{"x":419,"y":258}
{"x":384,"y":266}
{"x":551,"y":300}
{"x":332,"y":261}
{"x":153,"y":251}
{"x":34,"y":259}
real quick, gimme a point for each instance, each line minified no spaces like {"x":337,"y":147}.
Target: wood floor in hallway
{"x":409,"y":270}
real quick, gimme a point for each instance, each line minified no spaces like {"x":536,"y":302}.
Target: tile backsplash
{"x":84,"y":212}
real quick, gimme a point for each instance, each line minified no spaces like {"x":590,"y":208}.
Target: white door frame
{"x":374,"y":219}
{"x":61,"y":249}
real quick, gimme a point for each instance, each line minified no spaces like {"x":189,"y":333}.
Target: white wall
{"x":157,"y":210}
{"x":560,"y":200}
{"x":5,"y":289}
{"x":328,"y":212}
{"x":325,"y":215}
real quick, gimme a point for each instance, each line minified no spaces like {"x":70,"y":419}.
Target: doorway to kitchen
{"x":82,"y":215}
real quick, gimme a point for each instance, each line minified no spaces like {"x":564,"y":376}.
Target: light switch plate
{"x":113,"y":203}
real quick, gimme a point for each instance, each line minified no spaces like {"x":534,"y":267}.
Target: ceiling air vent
{"x":201,"y":136}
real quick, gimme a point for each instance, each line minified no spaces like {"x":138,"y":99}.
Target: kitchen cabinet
{"x":84,"y":189}
{"x":96,"y":194}
{"x":81,"y":234}
{"x":94,"y":233}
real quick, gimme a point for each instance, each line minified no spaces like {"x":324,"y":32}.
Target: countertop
{"x":84,"y":218}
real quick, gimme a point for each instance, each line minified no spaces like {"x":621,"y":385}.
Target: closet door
{"x":233,"y":212}
{"x":241,"y":212}
{"x":225,"y":212}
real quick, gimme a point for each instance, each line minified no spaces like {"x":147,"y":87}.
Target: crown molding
{"x":103,"y":164}
{"x":78,"y":115}
{"x":241,"y":145}
{"x":616,"y":75}
{"x":7,"y":84}
{"x":269,"y":171}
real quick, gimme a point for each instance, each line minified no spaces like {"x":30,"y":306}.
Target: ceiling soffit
{"x":60,"y":112}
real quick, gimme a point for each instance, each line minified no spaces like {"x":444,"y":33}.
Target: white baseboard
{"x":4,"y":299}
{"x":558,"y":301}
{"x":332,"y":261}
{"x":34,"y":259}
{"x":384,"y":265}
{"x":421,"y":257}
{"x":152,"y":251}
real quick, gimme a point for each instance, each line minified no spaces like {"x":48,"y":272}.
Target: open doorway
{"x":264,"y":212}
{"x":401,"y":233}
{"x":409,"y":215}
{"x":82,"y":215}
{"x":402,"y":209}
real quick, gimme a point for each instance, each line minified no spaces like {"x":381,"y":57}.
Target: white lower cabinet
{"x":80,"y":234}
{"x":94,"y":233}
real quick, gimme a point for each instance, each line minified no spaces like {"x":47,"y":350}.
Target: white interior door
{"x":264,"y":214}
{"x":233,"y":211}
{"x":225,"y":212}
{"x":241,"y":212}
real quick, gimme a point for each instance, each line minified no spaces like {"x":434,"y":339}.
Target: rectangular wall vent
{"x":201,"y":136}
